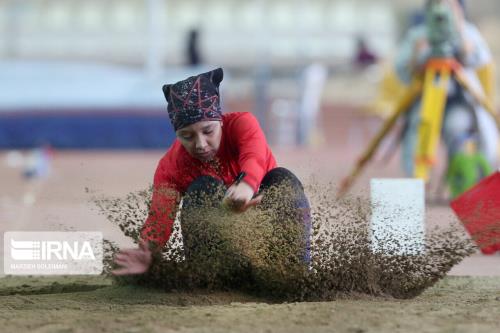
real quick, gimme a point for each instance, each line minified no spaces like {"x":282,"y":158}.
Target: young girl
{"x":212,"y":154}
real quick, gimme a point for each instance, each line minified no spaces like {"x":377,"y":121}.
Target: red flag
{"x":479,"y":211}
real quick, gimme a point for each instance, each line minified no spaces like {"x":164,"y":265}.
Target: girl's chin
{"x":204,"y":157}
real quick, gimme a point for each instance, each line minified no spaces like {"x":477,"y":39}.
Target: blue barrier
{"x":86,"y":130}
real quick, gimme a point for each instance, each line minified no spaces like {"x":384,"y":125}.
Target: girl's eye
{"x":187,"y":138}
{"x":208,"y":132}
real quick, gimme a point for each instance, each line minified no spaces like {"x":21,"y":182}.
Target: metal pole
{"x":155,"y":11}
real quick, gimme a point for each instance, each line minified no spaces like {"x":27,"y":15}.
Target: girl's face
{"x":201,"y":139}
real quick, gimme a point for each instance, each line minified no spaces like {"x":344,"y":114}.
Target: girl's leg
{"x":208,"y":245}
{"x":458,"y":124}
{"x":292,"y":203}
{"x":203,"y":196}
{"x":202,"y":192}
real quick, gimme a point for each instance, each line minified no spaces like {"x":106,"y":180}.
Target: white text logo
{"x":41,"y":253}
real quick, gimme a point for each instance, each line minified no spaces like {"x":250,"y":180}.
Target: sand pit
{"x":259,"y":252}
{"x":455,"y":304}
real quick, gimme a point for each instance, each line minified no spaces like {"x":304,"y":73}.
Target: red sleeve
{"x":164,"y":202}
{"x":253,"y":149}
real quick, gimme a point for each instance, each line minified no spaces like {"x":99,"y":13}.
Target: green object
{"x":466,"y":170}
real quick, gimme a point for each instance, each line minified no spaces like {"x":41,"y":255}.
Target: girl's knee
{"x":279,"y":176}
{"x":204,"y":183}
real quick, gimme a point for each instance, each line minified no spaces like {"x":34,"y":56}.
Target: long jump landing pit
{"x":62,"y":202}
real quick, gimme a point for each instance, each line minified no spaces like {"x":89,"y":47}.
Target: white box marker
{"x":398,"y":216}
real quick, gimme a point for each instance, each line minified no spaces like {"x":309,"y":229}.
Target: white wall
{"x":234,"y":32}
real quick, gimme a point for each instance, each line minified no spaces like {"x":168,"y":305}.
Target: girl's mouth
{"x":205,"y":155}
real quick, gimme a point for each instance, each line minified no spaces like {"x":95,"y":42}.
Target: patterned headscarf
{"x":194,"y":99}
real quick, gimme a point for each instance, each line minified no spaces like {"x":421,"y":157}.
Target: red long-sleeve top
{"x":243,"y":147}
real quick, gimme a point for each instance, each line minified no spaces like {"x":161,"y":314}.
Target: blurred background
{"x":82,"y":113}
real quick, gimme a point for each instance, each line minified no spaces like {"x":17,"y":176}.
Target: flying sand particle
{"x":261,"y":253}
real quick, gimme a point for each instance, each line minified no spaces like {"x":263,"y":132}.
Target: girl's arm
{"x":253,"y":149}
{"x":158,"y":226}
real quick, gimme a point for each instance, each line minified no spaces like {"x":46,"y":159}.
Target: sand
{"x":261,"y":251}
{"x":455,"y":304}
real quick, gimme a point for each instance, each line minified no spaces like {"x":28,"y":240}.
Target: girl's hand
{"x":239,"y":197}
{"x":133,"y":261}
